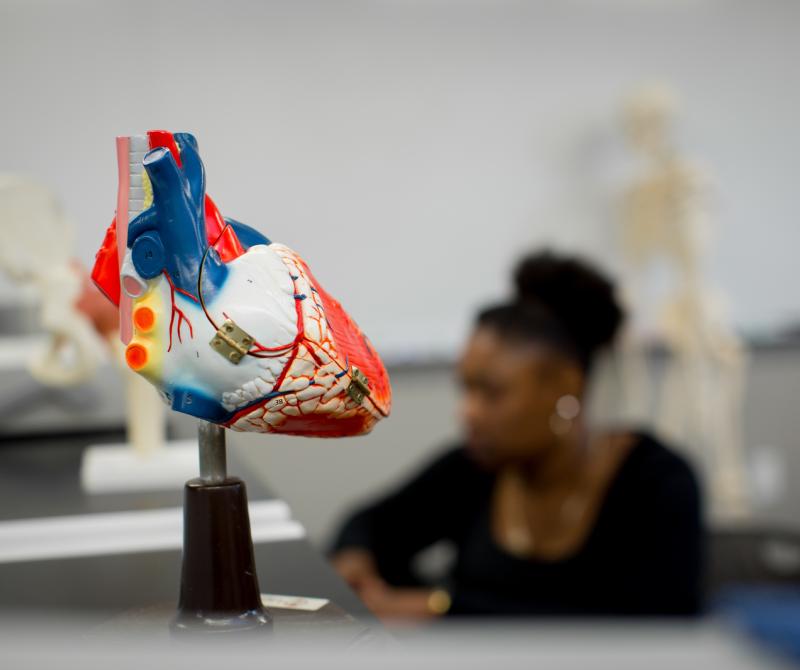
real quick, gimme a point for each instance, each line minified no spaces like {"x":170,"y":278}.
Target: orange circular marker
{"x":144,"y":318}
{"x":136,"y":356}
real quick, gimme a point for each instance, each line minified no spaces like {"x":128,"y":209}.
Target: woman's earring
{"x":568,"y":407}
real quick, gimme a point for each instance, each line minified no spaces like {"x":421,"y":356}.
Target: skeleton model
{"x":665,"y":221}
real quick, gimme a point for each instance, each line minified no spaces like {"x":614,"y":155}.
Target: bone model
{"x":665,"y":219}
{"x":229,"y":326}
{"x":37,"y":252}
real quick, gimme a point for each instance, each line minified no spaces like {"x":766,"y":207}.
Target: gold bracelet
{"x":439,"y":602}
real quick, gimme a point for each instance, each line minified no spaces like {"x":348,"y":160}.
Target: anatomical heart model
{"x":235,"y":330}
{"x":230,"y":327}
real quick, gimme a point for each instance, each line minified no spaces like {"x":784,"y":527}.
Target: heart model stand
{"x":219,"y":591}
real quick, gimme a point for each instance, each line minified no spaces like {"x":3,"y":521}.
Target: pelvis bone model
{"x":229,"y":326}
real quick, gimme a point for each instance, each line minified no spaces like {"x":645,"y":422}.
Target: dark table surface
{"x":39,"y":477}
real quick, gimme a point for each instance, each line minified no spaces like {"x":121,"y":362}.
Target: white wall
{"x":411,"y":150}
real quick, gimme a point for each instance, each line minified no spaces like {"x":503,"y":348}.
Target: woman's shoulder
{"x":657,"y":468}
{"x":650,"y":453}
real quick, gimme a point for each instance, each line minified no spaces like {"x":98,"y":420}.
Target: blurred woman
{"x":547,"y":516}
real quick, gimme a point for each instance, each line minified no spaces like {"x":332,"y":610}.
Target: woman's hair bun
{"x":577,"y":294}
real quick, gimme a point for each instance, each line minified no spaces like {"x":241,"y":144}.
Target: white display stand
{"x":146,"y":461}
{"x":116,"y":468}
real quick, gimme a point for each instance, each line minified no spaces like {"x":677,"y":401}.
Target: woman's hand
{"x":357,"y":567}
{"x":397,"y":605}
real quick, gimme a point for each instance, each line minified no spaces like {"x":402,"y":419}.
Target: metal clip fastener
{"x":231,"y":342}
{"x":359,"y":386}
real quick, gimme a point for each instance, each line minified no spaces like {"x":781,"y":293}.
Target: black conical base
{"x":219,"y":586}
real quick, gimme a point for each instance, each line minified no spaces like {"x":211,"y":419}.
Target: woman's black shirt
{"x":642,"y":557}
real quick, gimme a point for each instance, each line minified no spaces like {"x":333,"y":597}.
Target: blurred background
{"x":412,"y":152}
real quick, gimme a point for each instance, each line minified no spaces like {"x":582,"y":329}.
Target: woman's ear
{"x":566,"y":377}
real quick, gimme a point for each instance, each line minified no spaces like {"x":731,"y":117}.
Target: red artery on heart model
{"x":229,"y":326}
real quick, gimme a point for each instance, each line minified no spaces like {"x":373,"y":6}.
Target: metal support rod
{"x":213,"y":460}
